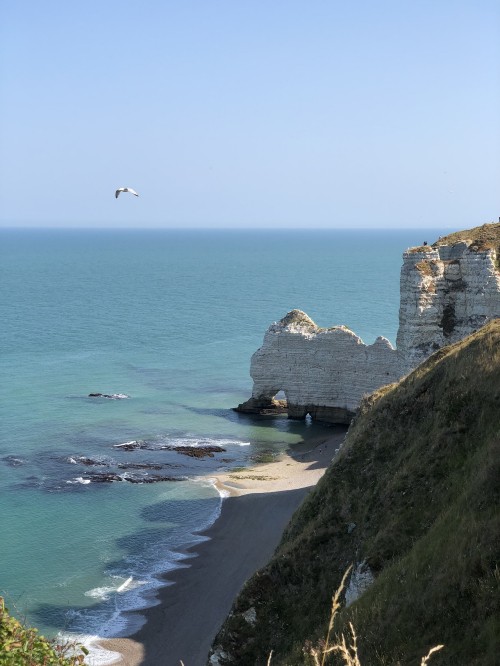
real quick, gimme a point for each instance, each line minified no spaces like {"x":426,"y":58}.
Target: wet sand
{"x":198,"y":597}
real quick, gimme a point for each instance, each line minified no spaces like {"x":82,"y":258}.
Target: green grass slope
{"x":414,"y":493}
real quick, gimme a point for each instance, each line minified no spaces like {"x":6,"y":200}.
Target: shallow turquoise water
{"x":170,"y":319}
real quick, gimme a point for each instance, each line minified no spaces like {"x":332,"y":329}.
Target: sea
{"x":164,"y":323}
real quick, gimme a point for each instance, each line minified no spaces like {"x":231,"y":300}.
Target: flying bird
{"x":125,"y":189}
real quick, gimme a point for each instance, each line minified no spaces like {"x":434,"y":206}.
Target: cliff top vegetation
{"x":300,"y":318}
{"x":486,"y":236}
{"x":297,"y":318}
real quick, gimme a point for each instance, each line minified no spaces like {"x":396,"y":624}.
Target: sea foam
{"x":97,"y":655}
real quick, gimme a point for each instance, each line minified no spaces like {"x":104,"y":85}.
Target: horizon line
{"x":186,"y":228}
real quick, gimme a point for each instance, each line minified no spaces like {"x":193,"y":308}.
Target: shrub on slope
{"x":23,"y":646}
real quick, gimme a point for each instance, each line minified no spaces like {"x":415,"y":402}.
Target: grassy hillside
{"x":414,"y":493}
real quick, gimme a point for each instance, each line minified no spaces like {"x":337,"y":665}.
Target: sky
{"x":250,"y":113}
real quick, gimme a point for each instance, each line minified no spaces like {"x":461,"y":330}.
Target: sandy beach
{"x":199,"y":595}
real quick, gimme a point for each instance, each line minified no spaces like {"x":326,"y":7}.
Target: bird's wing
{"x":125,"y":189}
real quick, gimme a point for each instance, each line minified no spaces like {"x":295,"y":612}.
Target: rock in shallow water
{"x":110,"y":477}
{"x":13,"y":461}
{"x":192,"y":451}
{"x":197,"y":451}
{"x":89,"y":462}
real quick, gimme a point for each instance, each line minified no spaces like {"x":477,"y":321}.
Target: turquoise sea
{"x":169,"y":319}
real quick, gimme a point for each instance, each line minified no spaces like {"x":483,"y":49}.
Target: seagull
{"x":125,"y":189}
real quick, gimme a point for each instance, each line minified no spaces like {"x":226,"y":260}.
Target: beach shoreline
{"x":197,"y":597}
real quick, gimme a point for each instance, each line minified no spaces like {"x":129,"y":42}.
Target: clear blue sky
{"x":250,"y":113}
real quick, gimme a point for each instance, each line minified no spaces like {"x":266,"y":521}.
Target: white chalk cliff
{"x":447,"y":291}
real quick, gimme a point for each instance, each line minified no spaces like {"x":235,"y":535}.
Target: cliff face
{"x":412,"y":502}
{"x":447,"y":291}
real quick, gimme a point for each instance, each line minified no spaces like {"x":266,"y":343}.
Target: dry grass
{"x":431,"y":652}
{"x":419,"y":248}
{"x":424,"y":267}
{"x":333,"y":613}
{"x":346,"y":647}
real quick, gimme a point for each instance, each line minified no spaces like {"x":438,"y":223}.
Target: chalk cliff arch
{"x":447,"y":291}
{"x":323,"y":372}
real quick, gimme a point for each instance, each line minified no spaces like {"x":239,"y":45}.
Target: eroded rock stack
{"x":324,"y":372}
